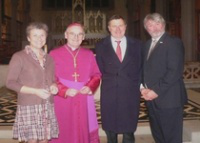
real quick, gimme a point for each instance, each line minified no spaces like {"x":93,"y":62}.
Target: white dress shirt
{"x":123,"y":45}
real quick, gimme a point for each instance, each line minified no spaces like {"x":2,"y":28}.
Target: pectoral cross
{"x":75,"y":75}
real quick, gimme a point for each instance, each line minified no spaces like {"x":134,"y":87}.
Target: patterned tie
{"x":118,"y":51}
{"x":153,"y":44}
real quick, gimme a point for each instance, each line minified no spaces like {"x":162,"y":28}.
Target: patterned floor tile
{"x":8,"y":100}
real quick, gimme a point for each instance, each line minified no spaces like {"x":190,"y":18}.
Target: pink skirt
{"x":35,"y":122}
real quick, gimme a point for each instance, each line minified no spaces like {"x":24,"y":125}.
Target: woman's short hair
{"x":36,"y":25}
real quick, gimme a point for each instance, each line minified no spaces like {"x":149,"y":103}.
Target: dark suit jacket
{"x":163,"y":72}
{"x":120,"y":95}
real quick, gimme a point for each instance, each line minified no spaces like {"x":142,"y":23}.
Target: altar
{"x":94,"y":23}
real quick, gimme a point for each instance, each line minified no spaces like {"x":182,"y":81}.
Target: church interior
{"x":182,"y":20}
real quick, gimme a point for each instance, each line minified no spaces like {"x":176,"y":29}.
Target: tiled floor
{"x":138,"y":139}
{"x":187,"y":138}
{"x":189,"y":126}
{"x":143,"y":133}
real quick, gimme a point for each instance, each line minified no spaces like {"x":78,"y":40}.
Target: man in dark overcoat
{"x":121,"y":71}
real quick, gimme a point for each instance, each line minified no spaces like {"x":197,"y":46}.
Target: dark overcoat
{"x":120,"y":94}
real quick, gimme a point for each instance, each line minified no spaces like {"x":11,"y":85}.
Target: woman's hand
{"x":42,"y":93}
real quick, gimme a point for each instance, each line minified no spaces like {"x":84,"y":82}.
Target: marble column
{"x":188,"y":29}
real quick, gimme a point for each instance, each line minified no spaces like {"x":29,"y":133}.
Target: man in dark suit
{"x":120,"y":88}
{"x":163,"y":86}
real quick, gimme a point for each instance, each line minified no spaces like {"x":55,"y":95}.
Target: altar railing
{"x":192,"y":74}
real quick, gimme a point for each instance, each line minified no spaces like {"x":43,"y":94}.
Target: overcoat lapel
{"x":127,"y":57}
{"x":114,"y":59}
{"x":110,"y":52}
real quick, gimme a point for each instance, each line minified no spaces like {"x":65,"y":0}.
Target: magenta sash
{"x":68,"y":131}
{"x":92,"y":116}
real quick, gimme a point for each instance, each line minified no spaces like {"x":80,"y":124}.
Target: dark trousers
{"x":166,"y":124}
{"x":112,"y":137}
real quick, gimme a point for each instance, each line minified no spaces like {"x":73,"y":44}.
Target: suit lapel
{"x":148,"y":45}
{"x":160,"y":41}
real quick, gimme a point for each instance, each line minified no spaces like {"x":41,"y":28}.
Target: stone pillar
{"x":14,"y":21}
{"x":145,"y":8}
{"x":188,"y":28}
{"x":27,"y":19}
{"x":133,"y":13}
{"x":161,"y":7}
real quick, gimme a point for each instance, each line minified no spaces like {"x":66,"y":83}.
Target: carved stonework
{"x":60,"y":21}
{"x":95,"y":22}
{"x":192,"y":74}
{"x":78,"y":11}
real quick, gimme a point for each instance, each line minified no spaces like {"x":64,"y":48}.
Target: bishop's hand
{"x":85,"y":90}
{"x":71,"y":92}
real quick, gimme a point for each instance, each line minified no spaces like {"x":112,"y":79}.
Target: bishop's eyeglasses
{"x":79,"y":35}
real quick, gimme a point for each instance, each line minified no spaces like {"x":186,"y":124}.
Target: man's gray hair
{"x":158,"y":18}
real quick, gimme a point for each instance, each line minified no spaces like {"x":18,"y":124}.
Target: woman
{"x":31,"y":75}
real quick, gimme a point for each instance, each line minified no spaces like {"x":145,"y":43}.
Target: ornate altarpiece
{"x":93,"y":21}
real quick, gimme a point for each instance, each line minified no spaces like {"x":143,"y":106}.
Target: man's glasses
{"x":79,"y":35}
